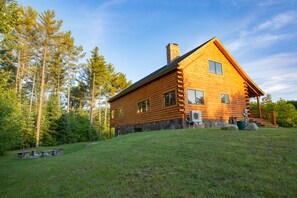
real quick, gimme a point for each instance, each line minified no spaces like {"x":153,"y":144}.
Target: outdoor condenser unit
{"x":195,"y":116}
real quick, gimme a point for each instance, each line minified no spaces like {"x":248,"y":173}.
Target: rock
{"x":252,"y":127}
{"x":230,"y":127}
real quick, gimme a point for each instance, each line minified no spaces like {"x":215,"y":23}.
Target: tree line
{"x":47,"y":95}
{"x":286,"y":111}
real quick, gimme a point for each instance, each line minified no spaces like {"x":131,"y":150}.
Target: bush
{"x":78,"y":129}
{"x":286,"y":114}
{"x":9,"y":120}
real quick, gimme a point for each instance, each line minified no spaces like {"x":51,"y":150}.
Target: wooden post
{"x":259,"y":106}
{"x":274,"y":117}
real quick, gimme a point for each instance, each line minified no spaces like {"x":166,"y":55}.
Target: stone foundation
{"x":168,"y":124}
{"x":152,"y":126}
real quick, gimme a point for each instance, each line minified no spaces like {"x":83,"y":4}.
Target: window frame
{"x":147,"y":105}
{"x":121,"y":113}
{"x":195,"y":90}
{"x":216,"y":64}
{"x":112,"y":114}
{"x":164,"y":98}
{"x":222,"y":101}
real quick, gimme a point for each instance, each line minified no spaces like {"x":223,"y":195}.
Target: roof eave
{"x":124,"y":92}
{"x":238,"y":68}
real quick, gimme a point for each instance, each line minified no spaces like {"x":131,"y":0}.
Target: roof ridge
{"x":157,"y":72}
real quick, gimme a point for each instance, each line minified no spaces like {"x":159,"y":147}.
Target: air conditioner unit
{"x":195,"y":116}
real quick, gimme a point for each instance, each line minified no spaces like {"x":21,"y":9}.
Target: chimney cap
{"x":172,"y":44}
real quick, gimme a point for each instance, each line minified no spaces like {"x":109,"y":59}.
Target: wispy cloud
{"x":278,"y":21}
{"x":271,"y":2}
{"x":109,"y":3}
{"x":275,"y":74}
{"x":265,"y":33}
{"x":95,"y":22}
{"x":258,"y":41}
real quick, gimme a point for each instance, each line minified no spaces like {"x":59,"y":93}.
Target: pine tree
{"x":48,"y":29}
{"x":95,"y":78}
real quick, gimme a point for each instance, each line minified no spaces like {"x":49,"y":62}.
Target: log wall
{"x":197,"y":76}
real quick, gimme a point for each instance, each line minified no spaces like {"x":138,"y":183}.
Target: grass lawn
{"x":178,"y":163}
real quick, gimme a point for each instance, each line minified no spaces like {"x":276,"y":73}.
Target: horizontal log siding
{"x":197,"y":76}
{"x":154,"y":92}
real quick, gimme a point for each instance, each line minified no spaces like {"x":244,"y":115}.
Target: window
{"x":195,"y":97}
{"x":225,"y":98}
{"x":169,"y":99}
{"x":112,"y":114}
{"x":121,"y":113}
{"x":215,"y":67}
{"x":143,"y":106}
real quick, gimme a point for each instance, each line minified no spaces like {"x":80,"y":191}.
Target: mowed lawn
{"x":175,"y":163}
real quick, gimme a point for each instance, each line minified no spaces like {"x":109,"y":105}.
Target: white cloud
{"x":257,"y":41}
{"x":271,"y":2}
{"x":277,"y":21}
{"x":275,"y":74}
{"x":109,"y":3}
{"x":265,"y":34}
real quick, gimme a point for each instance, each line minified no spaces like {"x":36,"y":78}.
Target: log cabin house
{"x":206,"y":79}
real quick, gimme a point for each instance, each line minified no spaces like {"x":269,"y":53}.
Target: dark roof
{"x":156,"y":73}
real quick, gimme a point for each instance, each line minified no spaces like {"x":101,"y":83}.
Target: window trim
{"x":148,"y":108}
{"x":221,"y":98}
{"x":163,"y":98}
{"x":195,"y":89}
{"x":121,"y":116}
{"x":215,"y":64}
{"x":112,"y":114}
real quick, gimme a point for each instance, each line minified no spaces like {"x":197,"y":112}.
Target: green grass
{"x":179,"y":163}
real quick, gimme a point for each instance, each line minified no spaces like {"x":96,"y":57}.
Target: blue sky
{"x":133,"y":34}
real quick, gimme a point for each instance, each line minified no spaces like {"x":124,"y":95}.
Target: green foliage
{"x":9,"y":16}
{"x":293,"y":102}
{"x":267,"y":99}
{"x":286,"y":114}
{"x":9,"y":120}
{"x":80,"y":129}
{"x":78,"y":96}
{"x":37,"y":63}
{"x":52,"y":115}
{"x":27,"y":126}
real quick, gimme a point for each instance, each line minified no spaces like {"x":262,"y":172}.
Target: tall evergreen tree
{"x":48,"y":29}
{"x":95,"y":78}
{"x":73,"y":54}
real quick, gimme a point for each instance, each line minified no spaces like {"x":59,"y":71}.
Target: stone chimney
{"x":173,"y":52}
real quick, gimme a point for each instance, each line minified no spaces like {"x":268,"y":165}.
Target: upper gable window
{"x":215,"y":67}
{"x":169,"y":98}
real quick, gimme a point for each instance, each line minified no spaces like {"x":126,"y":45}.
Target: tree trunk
{"x":68,"y":90}
{"x":32,"y":94}
{"x":99,"y":111}
{"x":58,"y":89}
{"x":68,"y":99}
{"x":92,"y":101}
{"x":105,"y":114}
{"x":41,"y":98}
{"x":18,"y":73}
{"x":21,"y":79}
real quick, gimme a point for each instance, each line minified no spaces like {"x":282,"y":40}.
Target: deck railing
{"x":266,"y":115}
